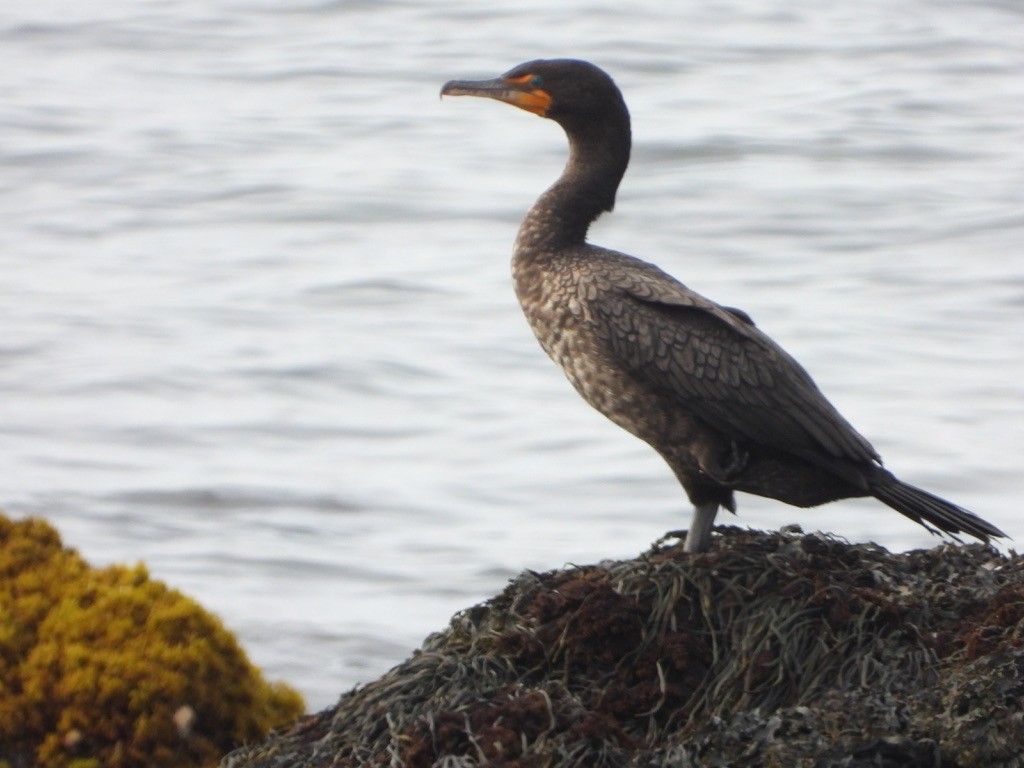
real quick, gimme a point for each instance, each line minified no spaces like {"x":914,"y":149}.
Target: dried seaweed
{"x":779,"y":649}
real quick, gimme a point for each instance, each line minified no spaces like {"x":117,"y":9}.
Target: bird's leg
{"x":700,"y":527}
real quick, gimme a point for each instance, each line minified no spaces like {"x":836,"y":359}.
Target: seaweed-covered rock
{"x":772,"y":650}
{"x":107,"y":667}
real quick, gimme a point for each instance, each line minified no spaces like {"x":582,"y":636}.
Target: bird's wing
{"x":720,"y":366}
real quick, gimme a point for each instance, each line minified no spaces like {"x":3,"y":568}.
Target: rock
{"x":772,"y":649}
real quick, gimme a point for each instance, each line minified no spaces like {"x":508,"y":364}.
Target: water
{"x":258,"y":329}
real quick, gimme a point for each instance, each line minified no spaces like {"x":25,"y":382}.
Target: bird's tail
{"x":924,"y":508}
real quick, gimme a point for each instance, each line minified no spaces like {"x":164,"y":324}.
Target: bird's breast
{"x":558,"y":304}
{"x":558,"y":314}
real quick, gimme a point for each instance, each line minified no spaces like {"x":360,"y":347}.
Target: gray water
{"x":257,"y":326}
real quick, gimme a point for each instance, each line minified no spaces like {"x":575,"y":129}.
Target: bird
{"x":725,"y":406}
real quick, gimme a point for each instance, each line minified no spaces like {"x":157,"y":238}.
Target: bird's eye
{"x":536,"y":81}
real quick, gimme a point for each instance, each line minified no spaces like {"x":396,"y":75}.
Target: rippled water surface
{"x":257,"y":325}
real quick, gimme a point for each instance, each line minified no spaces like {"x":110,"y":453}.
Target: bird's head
{"x":568,"y":91}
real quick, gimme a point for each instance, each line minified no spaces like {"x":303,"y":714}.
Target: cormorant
{"x":723,"y":404}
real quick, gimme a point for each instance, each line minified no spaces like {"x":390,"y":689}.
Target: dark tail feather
{"x":923,"y":507}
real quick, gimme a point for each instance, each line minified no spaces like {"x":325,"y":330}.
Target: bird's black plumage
{"x":727,"y":407}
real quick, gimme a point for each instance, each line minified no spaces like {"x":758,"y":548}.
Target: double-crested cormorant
{"x":724,"y":405}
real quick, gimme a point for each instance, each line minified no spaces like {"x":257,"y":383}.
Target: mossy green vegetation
{"x":108,"y":667}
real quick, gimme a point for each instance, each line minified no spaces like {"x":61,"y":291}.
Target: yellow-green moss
{"x":95,"y":664}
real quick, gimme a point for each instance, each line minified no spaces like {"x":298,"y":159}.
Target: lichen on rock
{"x":772,"y":649}
{"x":108,"y":667}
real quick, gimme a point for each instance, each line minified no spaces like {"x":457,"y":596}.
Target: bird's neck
{"x":598,"y":156}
